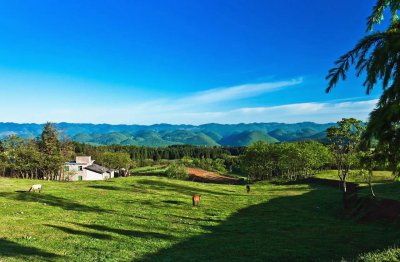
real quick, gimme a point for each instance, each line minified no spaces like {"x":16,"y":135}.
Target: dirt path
{"x":200,"y":175}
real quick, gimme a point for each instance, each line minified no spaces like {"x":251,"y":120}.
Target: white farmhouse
{"x":84,"y":168}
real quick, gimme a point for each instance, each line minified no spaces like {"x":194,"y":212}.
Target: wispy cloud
{"x":197,"y":108}
{"x":205,"y":99}
{"x":241,"y":91}
{"x":290,"y":113}
{"x":320,"y":112}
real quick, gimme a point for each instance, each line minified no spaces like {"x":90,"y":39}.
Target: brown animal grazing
{"x":248,"y":188}
{"x":196,"y":200}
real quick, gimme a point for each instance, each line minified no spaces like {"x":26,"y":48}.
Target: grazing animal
{"x":196,"y":200}
{"x":248,"y":188}
{"x":36,"y":187}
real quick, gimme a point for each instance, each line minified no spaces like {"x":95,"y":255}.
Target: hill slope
{"x":246,"y":138}
{"x":166,"y":134}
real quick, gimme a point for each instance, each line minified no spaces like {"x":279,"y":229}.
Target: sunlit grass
{"x":355,"y":176}
{"x":151,"y":218}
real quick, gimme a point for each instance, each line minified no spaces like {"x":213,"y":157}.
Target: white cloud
{"x":290,"y":113}
{"x":240,"y":92}
{"x":197,"y":108}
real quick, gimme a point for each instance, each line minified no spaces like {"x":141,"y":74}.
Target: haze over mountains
{"x":166,"y":134}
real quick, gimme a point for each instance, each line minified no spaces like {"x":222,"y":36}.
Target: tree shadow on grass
{"x":198,"y":219}
{"x":107,"y":187}
{"x":163,"y":185}
{"x":51,"y":200}
{"x":125,"y":232}
{"x":174,"y":202}
{"x":12,"y":249}
{"x":386,"y":190}
{"x":81,"y":233}
{"x":159,"y":204}
{"x":304,"y":227}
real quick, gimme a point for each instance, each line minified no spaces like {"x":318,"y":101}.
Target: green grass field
{"x":378,"y":176}
{"x":383,"y":183}
{"x":156,"y":169}
{"x":151,"y":219}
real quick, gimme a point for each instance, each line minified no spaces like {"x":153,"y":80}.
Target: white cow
{"x":36,"y":187}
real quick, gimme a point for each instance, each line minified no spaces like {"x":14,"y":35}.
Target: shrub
{"x":146,"y":162}
{"x":177,"y":171}
{"x":390,"y":254}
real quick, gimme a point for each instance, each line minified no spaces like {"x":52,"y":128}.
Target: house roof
{"x":98,"y":169}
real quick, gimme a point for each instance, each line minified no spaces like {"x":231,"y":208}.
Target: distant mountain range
{"x":166,"y":134}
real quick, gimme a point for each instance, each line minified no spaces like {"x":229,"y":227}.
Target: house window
{"x":66,"y":168}
{"x":80,"y":168}
{"x":80,"y":178}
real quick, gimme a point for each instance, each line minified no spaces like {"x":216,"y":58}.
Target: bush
{"x":391,"y":254}
{"x":177,"y":171}
{"x":146,"y":162}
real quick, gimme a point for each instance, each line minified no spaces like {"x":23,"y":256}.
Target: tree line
{"x":288,"y":161}
{"x":348,"y":150}
{"x":144,"y":156}
{"x":39,"y":158}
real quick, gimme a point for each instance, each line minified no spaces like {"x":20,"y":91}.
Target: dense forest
{"x":157,"y":153}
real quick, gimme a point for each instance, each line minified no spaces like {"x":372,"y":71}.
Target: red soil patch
{"x":200,"y":175}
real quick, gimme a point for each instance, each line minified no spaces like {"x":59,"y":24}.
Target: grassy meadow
{"x":150,"y":218}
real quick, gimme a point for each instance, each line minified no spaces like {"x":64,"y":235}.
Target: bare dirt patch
{"x":204,"y":176}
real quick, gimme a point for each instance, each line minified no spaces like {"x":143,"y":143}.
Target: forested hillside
{"x":166,"y":134}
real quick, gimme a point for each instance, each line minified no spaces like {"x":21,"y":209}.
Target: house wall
{"x":88,"y":175}
{"x":74,"y":169}
{"x":108,"y":175}
{"x":76,"y":176}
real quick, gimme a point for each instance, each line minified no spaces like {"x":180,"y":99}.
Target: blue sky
{"x":170,"y":61}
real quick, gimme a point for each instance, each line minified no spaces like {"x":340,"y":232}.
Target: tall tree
{"x":10,"y":146}
{"x":378,"y":55}
{"x":345,"y":140}
{"x":50,"y":146}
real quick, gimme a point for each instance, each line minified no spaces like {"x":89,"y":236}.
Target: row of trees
{"x":37,"y":158}
{"x":348,"y":149}
{"x":286,"y":160}
{"x":141,"y":155}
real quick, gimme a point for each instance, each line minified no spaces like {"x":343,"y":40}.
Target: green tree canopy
{"x":378,"y":56}
{"x":345,"y":141}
